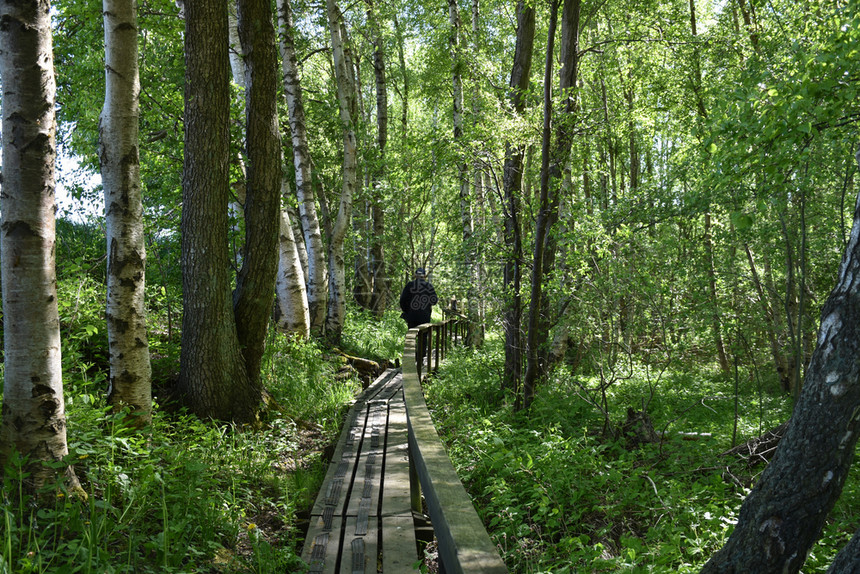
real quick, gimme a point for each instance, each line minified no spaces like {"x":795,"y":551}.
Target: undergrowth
{"x":562,"y":491}
{"x":185,"y":495}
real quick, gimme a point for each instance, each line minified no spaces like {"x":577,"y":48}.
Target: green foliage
{"x":559,"y":495}
{"x":301,"y":379}
{"x":186,"y":496}
{"x":371,"y":338}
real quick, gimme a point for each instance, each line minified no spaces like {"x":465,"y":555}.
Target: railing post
{"x":436,"y":332}
{"x":414,"y":485}
{"x":428,"y":333}
{"x":419,"y":354}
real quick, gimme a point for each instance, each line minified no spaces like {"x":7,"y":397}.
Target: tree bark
{"x":125,"y":313}
{"x":378,"y":269}
{"x":785,"y":512}
{"x":346,"y":103}
{"x":513,"y":176}
{"x":255,"y":284}
{"x":33,"y":419}
{"x":532,"y":363}
{"x":470,"y":270}
{"x":212,"y":378}
{"x":316,"y":257}
{"x":716,"y":324}
{"x":293,"y":315}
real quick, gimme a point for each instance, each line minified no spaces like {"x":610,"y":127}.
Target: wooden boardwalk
{"x":362,"y":519}
{"x":389,"y":468}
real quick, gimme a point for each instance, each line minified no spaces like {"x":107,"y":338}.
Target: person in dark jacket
{"x":417,"y":300}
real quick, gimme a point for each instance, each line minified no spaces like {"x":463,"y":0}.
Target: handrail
{"x":464,"y":545}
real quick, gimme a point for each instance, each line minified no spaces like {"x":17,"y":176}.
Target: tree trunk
{"x":212,"y":378}
{"x":292,"y":314}
{"x":33,"y":419}
{"x":379,"y":274}
{"x":513,"y":176}
{"x":716,"y":327}
{"x":404,"y":112}
{"x":784,"y":514}
{"x":125,"y":313}
{"x":532,"y":366}
{"x":316,"y":262}
{"x":466,"y":222}
{"x":346,"y":102}
{"x":255,"y":284}
{"x":772,"y":328}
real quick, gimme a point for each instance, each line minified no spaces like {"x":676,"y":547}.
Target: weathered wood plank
{"x":368,"y":471}
{"x":396,"y":488}
{"x":342,"y":467}
{"x":365,"y":561}
{"x":399,"y":549}
{"x":321,"y":547}
{"x":464,"y":545}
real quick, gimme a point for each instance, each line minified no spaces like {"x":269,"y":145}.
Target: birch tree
{"x":784,"y":514}
{"x":293,"y":315}
{"x":33,"y":420}
{"x":130,"y":370}
{"x":347,"y":107}
{"x":316,"y":266}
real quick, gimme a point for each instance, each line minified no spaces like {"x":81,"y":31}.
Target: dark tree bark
{"x":784,"y":514}
{"x":255,"y":284}
{"x":513,"y":177}
{"x":212,"y":375}
{"x":554,"y":156}
{"x":380,"y":284}
{"x":532,"y":364}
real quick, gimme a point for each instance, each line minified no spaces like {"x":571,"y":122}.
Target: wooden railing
{"x":464,"y":545}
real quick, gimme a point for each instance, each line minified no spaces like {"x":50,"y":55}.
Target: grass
{"x":560,"y":494}
{"x":187,"y":495}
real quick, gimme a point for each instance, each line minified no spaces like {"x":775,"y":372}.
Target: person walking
{"x":417,"y":300}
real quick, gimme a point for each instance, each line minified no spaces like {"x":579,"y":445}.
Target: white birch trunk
{"x":346,"y":102}
{"x":130,"y":370}
{"x":291,"y":296}
{"x":33,"y":420}
{"x":316,"y":270}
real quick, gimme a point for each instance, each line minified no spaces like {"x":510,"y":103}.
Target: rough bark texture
{"x":255,"y":284}
{"x":33,"y":420}
{"x":513,"y":176}
{"x":212,"y":377}
{"x":785,"y":512}
{"x":316,"y":265}
{"x":346,"y":102}
{"x":130,"y":370}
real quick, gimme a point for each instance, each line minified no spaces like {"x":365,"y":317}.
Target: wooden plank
{"x":396,"y":498}
{"x":322,"y":548}
{"x":464,"y":545}
{"x":399,"y":549}
{"x":369,"y":545}
{"x":342,"y":467}
{"x":368,"y":470}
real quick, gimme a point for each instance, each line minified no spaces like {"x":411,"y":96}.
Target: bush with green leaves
{"x":559,"y":494}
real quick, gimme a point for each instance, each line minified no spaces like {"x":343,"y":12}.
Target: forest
{"x":647,"y":211}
